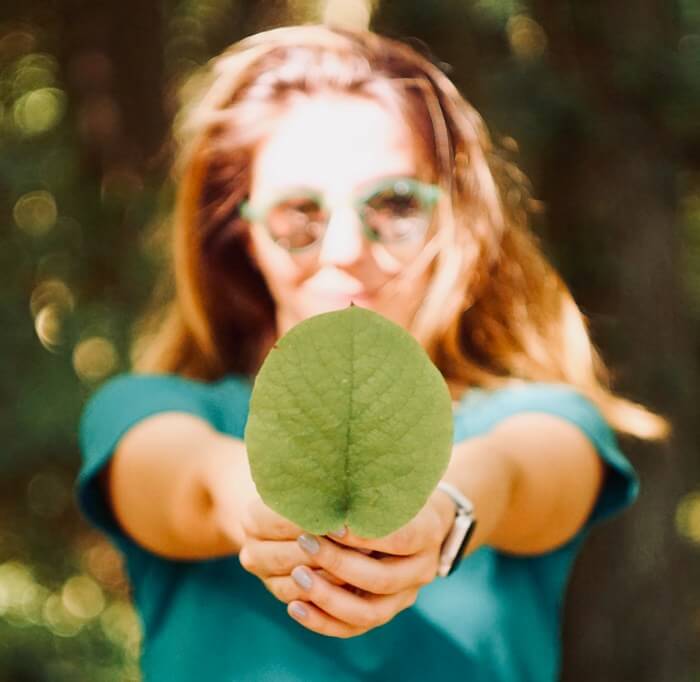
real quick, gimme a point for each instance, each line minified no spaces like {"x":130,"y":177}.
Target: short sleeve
{"x":110,"y":412}
{"x":621,"y":485}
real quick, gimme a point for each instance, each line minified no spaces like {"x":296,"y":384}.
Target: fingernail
{"x":298,"y":610}
{"x":302,"y":577}
{"x":309,"y":543}
{"x":338,"y":533}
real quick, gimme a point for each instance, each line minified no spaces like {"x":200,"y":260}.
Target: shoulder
{"x":130,"y":396}
{"x":480,"y":410}
{"x":489,"y":406}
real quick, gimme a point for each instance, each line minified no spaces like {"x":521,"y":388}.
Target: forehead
{"x":334,"y":143}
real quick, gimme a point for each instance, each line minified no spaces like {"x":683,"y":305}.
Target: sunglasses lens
{"x":395,"y":213}
{"x":296,"y":223}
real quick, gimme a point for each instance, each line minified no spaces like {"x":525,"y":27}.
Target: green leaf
{"x":350,"y":423}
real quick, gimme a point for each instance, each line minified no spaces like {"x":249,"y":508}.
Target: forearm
{"x":169,"y":481}
{"x":223,"y":483}
{"x":533,"y":480}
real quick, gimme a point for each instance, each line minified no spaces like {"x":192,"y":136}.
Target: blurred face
{"x":329,"y":223}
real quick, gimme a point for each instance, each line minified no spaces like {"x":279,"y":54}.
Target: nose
{"x":342,"y":242}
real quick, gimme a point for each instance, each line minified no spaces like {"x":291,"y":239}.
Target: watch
{"x":462,"y":528}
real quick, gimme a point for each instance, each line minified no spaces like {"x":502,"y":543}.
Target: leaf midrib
{"x":346,"y":496}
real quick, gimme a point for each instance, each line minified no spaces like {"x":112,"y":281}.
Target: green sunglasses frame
{"x":427,"y":194}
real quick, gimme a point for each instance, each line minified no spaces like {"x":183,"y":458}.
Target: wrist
{"x":228,"y":486}
{"x":486,"y":476}
{"x":445,"y":509}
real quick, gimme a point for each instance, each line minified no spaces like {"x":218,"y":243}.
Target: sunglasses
{"x":391,"y":211}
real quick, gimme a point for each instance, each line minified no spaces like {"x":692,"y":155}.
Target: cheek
{"x":280,"y":271}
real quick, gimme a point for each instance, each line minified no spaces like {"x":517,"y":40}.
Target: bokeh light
{"x":35,"y":212}
{"x":497,"y":11}
{"x":15,"y":580}
{"x":348,"y":13}
{"x":104,"y":562}
{"x":39,"y":110}
{"x":120,"y":623}
{"x":52,"y":291}
{"x":17,"y":41}
{"x":48,"y":325}
{"x":34,"y":71}
{"x":60,"y":621}
{"x":94,"y":358}
{"x":82,"y":597}
{"x":688,"y":517}
{"x":527,"y":38}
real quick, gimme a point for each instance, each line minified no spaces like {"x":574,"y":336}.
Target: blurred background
{"x":599,"y":104}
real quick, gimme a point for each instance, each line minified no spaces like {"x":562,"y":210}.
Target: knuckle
{"x":288,"y":590}
{"x":329,"y":577}
{"x":278,"y":561}
{"x":271,"y":586}
{"x":405,"y":538}
{"x":382,"y":583}
{"x":282,"y":589}
{"x":248,"y":518}
{"x":369,"y":617}
{"x":245,"y":559}
{"x":333,"y":561}
{"x":245,"y":523}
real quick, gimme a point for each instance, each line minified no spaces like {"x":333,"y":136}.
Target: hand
{"x":263,"y":540}
{"x":387,"y":585}
{"x":270,"y":550}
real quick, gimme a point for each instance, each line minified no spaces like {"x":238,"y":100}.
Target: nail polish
{"x":298,"y":610}
{"x":309,"y":543}
{"x":302,"y":577}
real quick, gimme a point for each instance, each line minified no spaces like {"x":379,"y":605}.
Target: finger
{"x":286,"y":589}
{"x":421,"y":532}
{"x":276,"y":557}
{"x":271,"y":557}
{"x":378,"y":576}
{"x":329,"y":576}
{"x":318,"y":621}
{"x":262,"y":522}
{"x":365,"y":612}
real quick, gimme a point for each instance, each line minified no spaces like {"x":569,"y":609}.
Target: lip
{"x":361,"y":296}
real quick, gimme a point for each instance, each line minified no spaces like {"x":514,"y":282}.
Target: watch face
{"x":469,"y":529}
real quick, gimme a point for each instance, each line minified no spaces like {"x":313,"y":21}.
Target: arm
{"x":533,"y":480}
{"x":174,"y":484}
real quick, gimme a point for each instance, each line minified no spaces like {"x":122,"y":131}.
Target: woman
{"x":322,"y":167}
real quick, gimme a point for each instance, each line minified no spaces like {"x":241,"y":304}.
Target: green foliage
{"x":350,"y":423}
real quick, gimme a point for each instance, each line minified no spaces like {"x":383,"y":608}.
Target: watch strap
{"x":462,"y":528}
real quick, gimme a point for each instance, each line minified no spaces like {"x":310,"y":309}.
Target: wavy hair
{"x":495,"y":311}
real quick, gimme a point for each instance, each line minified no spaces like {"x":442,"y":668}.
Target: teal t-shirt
{"x":495,"y":619}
